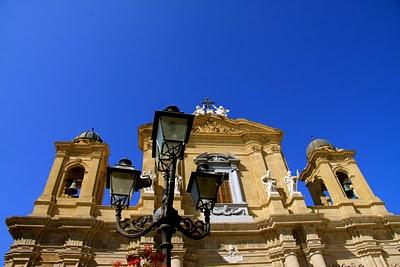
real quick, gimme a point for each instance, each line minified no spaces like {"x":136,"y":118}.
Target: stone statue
{"x":291,"y":181}
{"x":178,"y":184}
{"x":199,"y":110}
{"x":221,"y":111}
{"x":232,"y":250}
{"x":232,"y":256}
{"x":153,"y":177}
{"x":269,"y":183}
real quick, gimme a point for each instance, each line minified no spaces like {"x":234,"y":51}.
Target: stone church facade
{"x":261,"y":219}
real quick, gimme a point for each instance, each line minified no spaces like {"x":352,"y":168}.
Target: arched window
{"x":346,"y":184}
{"x":230,"y":191}
{"x":319,"y":193}
{"x":73,"y":182}
{"x":230,"y":204}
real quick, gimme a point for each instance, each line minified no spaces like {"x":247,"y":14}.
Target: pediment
{"x":212,"y":124}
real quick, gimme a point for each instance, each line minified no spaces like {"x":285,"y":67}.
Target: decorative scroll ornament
{"x":134,"y":228}
{"x":228,"y":211}
{"x":217,"y":159}
{"x":352,"y":264}
{"x":272,"y":149}
{"x":211,"y":126}
{"x":256,"y":148}
{"x":194,"y":229}
{"x":148,"y":145}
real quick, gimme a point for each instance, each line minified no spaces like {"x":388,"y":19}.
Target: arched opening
{"x":346,"y":184}
{"x":230,"y":190}
{"x":319,"y":193}
{"x":231,"y":205}
{"x":73,"y":182}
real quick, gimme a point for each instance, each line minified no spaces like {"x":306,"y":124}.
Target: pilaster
{"x":274,"y":205}
{"x":297,"y":204}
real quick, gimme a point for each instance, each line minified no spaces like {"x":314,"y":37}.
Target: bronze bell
{"x":72,"y":190}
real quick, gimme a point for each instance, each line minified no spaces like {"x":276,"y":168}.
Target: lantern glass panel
{"x":159,"y":141}
{"x":173,"y":129}
{"x":194,"y":191}
{"x":122,"y":183}
{"x":208,"y":186}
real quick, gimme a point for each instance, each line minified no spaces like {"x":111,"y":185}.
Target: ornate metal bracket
{"x":134,"y":228}
{"x":196,"y":229}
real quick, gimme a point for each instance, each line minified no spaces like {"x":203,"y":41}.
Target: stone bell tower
{"x":77,"y":178}
{"x":333,"y":178}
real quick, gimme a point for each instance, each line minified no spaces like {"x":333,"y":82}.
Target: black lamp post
{"x":171,"y":131}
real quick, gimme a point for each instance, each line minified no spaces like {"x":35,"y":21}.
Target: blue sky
{"x":328,"y":69}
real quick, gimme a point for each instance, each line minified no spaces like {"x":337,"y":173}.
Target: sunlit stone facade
{"x":262,"y":219}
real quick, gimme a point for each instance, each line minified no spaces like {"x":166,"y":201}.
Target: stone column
{"x":148,"y":163}
{"x":44,"y":203}
{"x":178,"y":252}
{"x":176,"y":261}
{"x":51,"y":188}
{"x":277,"y":165}
{"x":291,"y":260}
{"x":331,"y":183}
{"x":317,"y":260}
{"x":88,"y":184}
{"x":258,"y":167}
{"x":236,"y":191}
{"x":288,"y":244}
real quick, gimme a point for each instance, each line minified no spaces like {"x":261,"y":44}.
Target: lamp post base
{"x":166,"y":246}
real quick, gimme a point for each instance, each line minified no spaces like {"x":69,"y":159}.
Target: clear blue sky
{"x":330,"y":69}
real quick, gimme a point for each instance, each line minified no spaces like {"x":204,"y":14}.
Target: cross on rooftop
{"x":208,"y":103}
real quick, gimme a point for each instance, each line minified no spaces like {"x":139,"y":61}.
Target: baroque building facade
{"x":261,"y":219}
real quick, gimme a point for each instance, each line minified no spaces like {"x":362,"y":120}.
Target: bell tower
{"x":333,"y":178}
{"x":77,"y":178}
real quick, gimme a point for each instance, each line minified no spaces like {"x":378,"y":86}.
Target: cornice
{"x":331,"y":154}
{"x":211,"y":126}
{"x":326,"y":155}
{"x":283,"y":221}
{"x":90,"y":149}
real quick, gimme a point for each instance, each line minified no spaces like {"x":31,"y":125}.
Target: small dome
{"x":89,"y":135}
{"x":317,"y":144}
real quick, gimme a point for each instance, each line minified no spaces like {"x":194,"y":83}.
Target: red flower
{"x":133,"y":260}
{"x":146,"y":258}
{"x":157,"y":257}
{"x":117,"y":264}
{"x":147,"y":251}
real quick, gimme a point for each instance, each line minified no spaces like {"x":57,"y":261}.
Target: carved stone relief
{"x":272,"y":149}
{"x":233,"y":254}
{"x":211,"y":126}
{"x":229,"y":211}
{"x":148,"y":144}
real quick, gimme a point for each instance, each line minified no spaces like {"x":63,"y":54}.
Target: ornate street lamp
{"x":171,"y":131}
{"x":203,"y":186}
{"x":122,"y":181}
